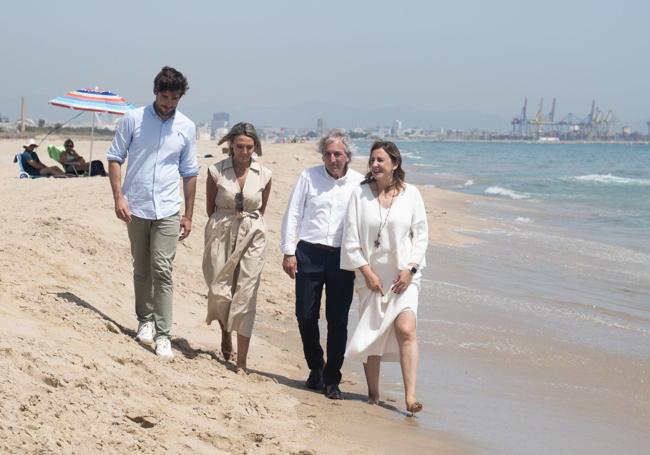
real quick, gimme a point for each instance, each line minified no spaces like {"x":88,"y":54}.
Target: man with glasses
{"x":160,"y":143}
{"x":312,"y":229}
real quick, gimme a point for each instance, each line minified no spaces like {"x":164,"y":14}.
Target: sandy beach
{"x":74,"y":381}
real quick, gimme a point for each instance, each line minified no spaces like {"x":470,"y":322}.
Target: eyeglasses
{"x":239,"y":201}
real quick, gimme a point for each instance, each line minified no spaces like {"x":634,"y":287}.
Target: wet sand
{"x":536,"y":342}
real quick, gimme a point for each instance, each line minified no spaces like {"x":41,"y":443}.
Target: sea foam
{"x":610,"y":179}
{"x":499,"y":191}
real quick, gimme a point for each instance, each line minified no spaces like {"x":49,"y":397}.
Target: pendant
{"x":377,"y":243}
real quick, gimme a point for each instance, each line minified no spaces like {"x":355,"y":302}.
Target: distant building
{"x":220,"y":120}
{"x":320,"y":127}
{"x":396,"y":129}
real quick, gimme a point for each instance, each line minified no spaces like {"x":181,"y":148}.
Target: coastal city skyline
{"x":535,"y":124}
{"x":357,"y":65}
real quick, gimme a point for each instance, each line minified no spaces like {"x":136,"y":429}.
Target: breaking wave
{"x":610,"y":179}
{"x":499,"y":191}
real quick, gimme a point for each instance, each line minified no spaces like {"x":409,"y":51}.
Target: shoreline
{"x":19,"y":136}
{"x":516,"y":141}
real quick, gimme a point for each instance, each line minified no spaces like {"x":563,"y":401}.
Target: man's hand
{"x":122,"y":209}
{"x":290,"y":265}
{"x":186,"y":227}
{"x":372,"y":280}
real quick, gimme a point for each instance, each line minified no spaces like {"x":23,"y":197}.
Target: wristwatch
{"x":413,"y":270}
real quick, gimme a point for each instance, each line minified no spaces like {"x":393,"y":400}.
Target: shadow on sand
{"x":182,"y":345}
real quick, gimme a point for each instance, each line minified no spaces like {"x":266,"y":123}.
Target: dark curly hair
{"x":170,"y":80}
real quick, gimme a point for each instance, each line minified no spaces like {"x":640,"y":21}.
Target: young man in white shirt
{"x":311,"y":242}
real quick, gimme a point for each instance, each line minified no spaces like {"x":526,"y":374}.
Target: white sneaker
{"x":145,"y":333}
{"x":164,"y":348}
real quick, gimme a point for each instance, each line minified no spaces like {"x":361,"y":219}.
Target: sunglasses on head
{"x":243,"y":128}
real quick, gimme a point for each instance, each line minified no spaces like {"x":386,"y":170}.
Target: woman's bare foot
{"x":413,"y":406}
{"x":373,"y":399}
{"x":226,"y":344}
{"x":241,"y":370}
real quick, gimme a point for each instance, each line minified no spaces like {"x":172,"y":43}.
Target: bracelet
{"x":185,"y":216}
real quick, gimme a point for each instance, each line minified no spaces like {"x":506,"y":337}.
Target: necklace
{"x":382,"y":223}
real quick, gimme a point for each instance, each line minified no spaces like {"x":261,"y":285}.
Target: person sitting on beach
{"x":237,"y":191}
{"x":33,"y":165}
{"x":73,"y":163}
{"x":385,"y":238}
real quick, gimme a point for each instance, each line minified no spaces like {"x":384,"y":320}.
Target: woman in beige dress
{"x":237,"y":191}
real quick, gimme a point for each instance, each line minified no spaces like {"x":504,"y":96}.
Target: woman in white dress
{"x":385,"y":239}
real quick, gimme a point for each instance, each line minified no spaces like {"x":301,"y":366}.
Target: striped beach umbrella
{"x":93,"y":100}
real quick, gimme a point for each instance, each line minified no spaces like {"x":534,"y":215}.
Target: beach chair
{"x":55,"y":153}
{"x":23,"y":174}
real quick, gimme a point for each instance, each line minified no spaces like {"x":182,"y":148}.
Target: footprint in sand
{"x":143,"y":421}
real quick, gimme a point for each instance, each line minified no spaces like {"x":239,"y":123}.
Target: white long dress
{"x":404,"y":240}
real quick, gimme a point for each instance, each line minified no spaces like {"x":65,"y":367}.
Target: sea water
{"x":599,"y":189}
{"x":537,"y":339}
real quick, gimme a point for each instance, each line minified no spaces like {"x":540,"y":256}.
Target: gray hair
{"x":337,"y":135}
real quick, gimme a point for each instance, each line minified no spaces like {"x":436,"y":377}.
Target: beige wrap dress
{"x":234,"y":247}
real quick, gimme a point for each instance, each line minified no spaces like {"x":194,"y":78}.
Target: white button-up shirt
{"x":159,"y":153}
{"x":317,"y":207}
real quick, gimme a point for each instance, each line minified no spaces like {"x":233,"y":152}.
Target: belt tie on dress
{"x":237,"y":229}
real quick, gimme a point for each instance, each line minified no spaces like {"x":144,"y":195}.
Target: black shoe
{"x":333,"y":392}
{"x":315,"y":380}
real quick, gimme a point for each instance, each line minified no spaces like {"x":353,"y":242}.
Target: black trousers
{"x":318,"y":266}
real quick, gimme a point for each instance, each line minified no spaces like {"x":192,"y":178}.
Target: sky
{"x":476,"y":58}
